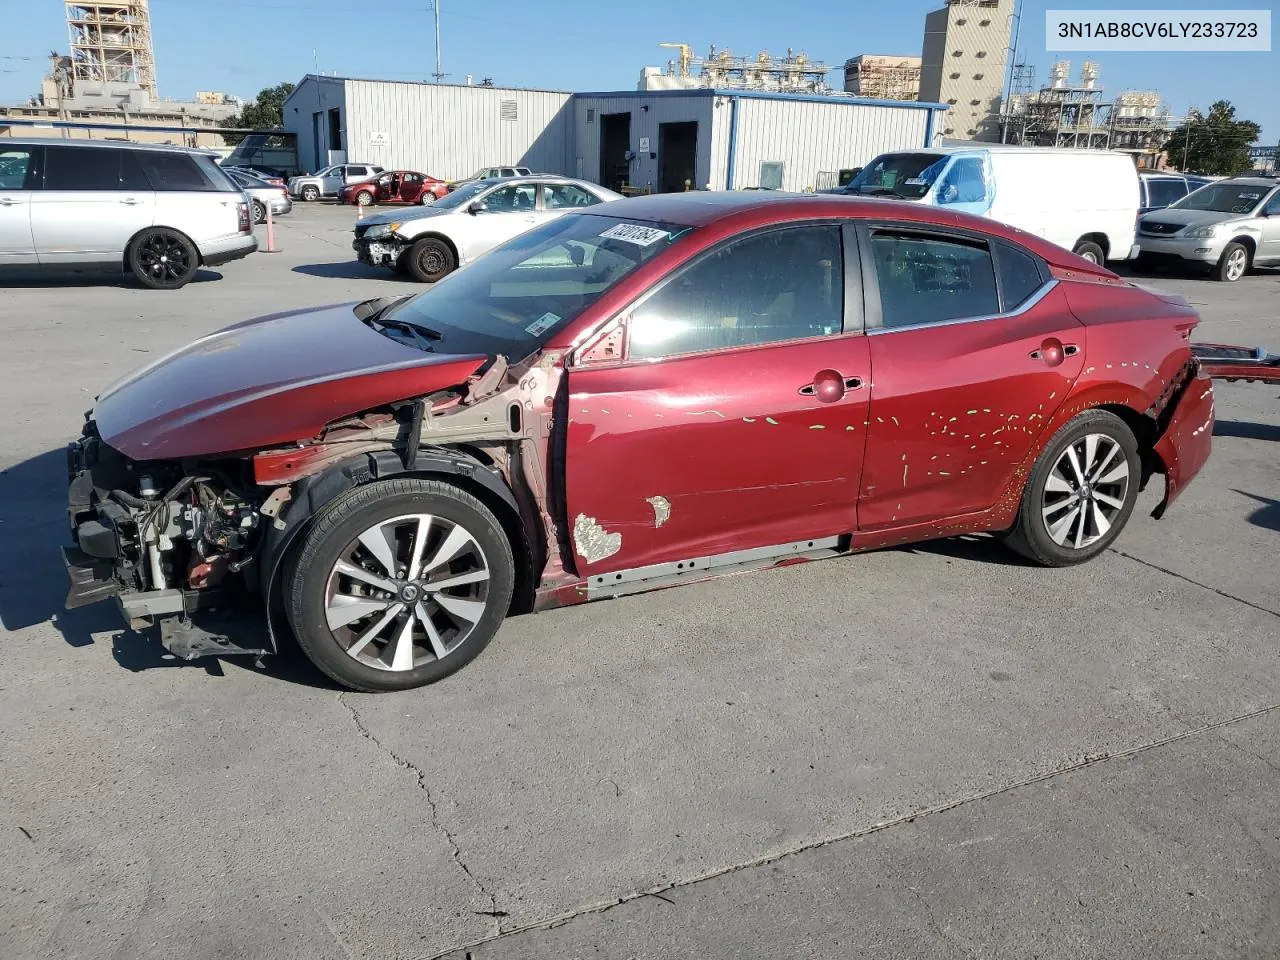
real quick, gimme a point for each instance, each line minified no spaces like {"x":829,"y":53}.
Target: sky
{"x":241,"y":46}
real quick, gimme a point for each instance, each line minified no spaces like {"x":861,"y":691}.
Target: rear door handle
{"x":830,"y":386}
{"x":1053,"y":351}
{"x":131,"y":201}
{"x":9,"y":202}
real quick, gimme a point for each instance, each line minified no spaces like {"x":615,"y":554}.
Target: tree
{"x":265,"y":112}
{"x":1217,"y":144}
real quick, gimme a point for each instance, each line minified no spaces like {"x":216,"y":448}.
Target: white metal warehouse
{"x":659,"y":140}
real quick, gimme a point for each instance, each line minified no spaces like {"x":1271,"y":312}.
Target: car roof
{"x":1266,"y":182}
{"x":745,"y":209}
{"x":105,"y":145}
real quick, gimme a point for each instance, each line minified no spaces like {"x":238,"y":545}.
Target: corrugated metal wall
{"x":313,"y":95}
{"x":808,"y":137}
{"x":644,"y":123}
{"x":451,"y":131}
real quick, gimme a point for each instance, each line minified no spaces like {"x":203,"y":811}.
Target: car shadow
{"x":978,"y":548}
{"x":349,"y":270}
{"x":19,"y":278}
{"x":33,"y":585}
{"x":1268,"y":515}
{"x":1246,"y":430}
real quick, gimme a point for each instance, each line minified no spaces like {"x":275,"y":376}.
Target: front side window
{"x":512,"y":199}
{"x":925,"y":279}
{"x":556,"y":196}
{"x":1272,"y":209}
{"x":14,"y":164}
{"x":516,"y":297}
{"x":783,"y":284}
{"x":964,"y":182}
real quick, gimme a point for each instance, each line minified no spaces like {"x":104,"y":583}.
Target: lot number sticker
{"x":542,"y":324}
{"x":634,"y":233}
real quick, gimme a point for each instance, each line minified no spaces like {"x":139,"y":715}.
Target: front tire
{"x":399,"y":584}
{"x":1081,"y":492}
{"x":364,"y":198}
{"x":1233,"y":264}
{"x":430,"y":260}
{"x":163,"y":259}
{"x":310,"y":193}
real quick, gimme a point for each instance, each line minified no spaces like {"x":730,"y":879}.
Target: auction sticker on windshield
{"x":542,"y":324}
{"x":635,"y":233}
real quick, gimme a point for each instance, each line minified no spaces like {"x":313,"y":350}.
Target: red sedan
{"x":395,"y":186}
{"x":655,"y":391}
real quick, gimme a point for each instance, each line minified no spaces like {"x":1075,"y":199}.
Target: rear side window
{"x":1020,"y":275}
{"x":926,"y":279}
{"x":15,"y":163}
{"x":81,"y":168}
{"x":181,"y":172}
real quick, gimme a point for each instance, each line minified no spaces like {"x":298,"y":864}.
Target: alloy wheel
{"x":163,"y":257}
{"x":1085,"y":491}
{"x":1237,"y":262}
{"x":407,"y":591}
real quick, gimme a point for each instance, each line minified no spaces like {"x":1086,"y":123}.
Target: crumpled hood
{"x":405,"y":215}
{"x":265,"y":382}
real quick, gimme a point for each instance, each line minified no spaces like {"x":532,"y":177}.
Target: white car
{"x":329,"y":181}
{"x":432,"y":242}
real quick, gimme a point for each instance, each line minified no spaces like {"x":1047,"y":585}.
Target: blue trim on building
{"x":732,"y":162}
{"x":928,"y":129}
{"x":766,"y":95}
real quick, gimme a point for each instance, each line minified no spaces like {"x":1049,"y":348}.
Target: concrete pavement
{"x":735,"y":747}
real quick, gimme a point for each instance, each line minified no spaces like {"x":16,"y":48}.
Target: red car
{"x":395,"y":186}
{"x":653,"y":392}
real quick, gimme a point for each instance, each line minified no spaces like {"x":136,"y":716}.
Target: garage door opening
{"x":677,"y":156}
{"x":615,"y":141}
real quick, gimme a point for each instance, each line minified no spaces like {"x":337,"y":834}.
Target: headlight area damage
{"x":198,"y":547}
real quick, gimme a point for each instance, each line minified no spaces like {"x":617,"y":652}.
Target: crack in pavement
{"x":550,"y":923}
{"x":454,"y":850}
{"x":1195,"y":583}
{"x":943,"y":934}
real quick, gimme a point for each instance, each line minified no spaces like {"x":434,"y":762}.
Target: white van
{"x":1084,"y":200}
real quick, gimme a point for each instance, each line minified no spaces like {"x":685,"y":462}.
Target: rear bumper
{"x":1187,"y":440}
{"x":226,"y":249}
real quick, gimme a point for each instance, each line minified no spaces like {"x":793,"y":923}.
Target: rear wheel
{"x":1090,"y":251}
{"x":430,"y":260}
{"x":163,"y":259}
{"x":1233,"y":264}
{"x":259,"y":212}
{"x":310,"y":193}
{"x":400,"y":584}
{"x":427,"y":198}
{"x":1080,"y":493}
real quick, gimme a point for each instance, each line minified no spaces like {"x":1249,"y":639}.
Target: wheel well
{"x":453,"y":248}
{"x":128,"y":247}
{"x":1248,"y":243}
{"x":1099,"y":238}
{"x":1145,"y":431}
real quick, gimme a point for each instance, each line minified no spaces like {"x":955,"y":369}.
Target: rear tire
{"x":163,"y":259}
{"x":1081,"y":492}
{"x":427,"y":198}
{"x":401,"y":639}
{"x":259,"y":212}
{"x":1090,"y":251}
{"x":1233,"y":264}
{"x":430,"y":260}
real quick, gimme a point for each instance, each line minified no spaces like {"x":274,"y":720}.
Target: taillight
{"x":242,"y":212}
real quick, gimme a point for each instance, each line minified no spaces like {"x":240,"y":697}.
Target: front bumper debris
{"x":378,"y":253}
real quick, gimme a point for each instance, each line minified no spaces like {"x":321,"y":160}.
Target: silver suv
{"x":159,"y":212}
{"x":1228,"y":225}
{"x":330,"y":181}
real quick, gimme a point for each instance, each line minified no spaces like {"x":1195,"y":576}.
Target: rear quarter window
{"x":184,"y":172}
{"x":1021,"y":275}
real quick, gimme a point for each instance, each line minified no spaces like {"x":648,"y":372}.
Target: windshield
{"x":461,"y":197}
{"x":1223,"y":198}
{"x":516,"y":297}
{"x":906,"y":175}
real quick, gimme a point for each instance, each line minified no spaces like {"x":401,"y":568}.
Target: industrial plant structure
{"x":883,"y":77}
{"x":966,"y":46}
{"x":720,"y":69}
{"x":111,"y":43}
{"x":1080,"y":116}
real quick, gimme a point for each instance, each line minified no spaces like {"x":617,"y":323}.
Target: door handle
{"x":829,"y":386}
{"x":1053,"y":351}
{"x":131,"y":201}
{"x":9,"y":202}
